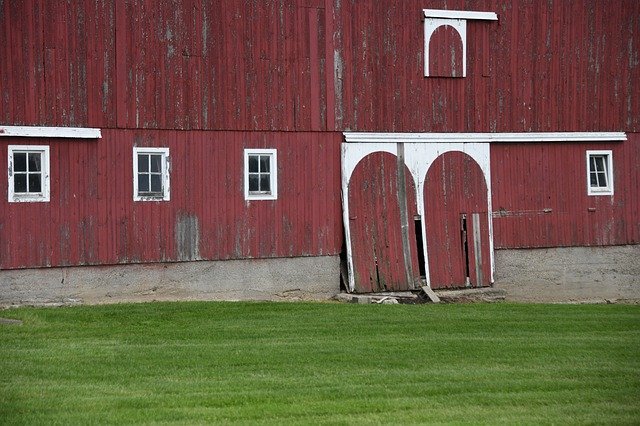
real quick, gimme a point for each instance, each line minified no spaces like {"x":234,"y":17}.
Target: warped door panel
{"x":455,"y":193}
{"x":376,"y":234}
{"x":478,"y":255}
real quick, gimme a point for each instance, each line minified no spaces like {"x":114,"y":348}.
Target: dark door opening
{"x":417,"y":220}
{"x":465,"y":247}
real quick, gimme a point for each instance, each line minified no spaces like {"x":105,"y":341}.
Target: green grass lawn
{"x":321,"y":363}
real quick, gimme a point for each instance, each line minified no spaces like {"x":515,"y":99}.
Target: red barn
{"x":234,"y":149}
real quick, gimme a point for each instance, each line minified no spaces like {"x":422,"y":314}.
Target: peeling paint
{"x":187,"y":236}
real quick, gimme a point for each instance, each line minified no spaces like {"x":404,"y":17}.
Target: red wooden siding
{"x":445,"y":53}
{"x":454,"y":186}
{"x":92,"y":218}
{"x":544,"y":66}
{"x":192,"y":64}
{"x":290,"y":75}
{"x":540,"y":196}
{"x":376,"y":238}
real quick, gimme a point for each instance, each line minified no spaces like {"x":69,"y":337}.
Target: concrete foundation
{"x":302,"y":278}
{"x":572,"y":274}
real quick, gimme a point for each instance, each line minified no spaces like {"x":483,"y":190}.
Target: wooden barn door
{"x":383,"y":260}
{"x":457,"y":227}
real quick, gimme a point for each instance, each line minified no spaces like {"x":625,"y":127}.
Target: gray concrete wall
{"x":302,"y":278}
{"x":572,"y":274}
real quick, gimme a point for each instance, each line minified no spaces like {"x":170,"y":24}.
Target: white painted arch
{"x":418,"y":158}
{"x":457,"y":19}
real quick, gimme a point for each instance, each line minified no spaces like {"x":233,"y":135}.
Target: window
{"x":151,"y":174}
{"x":261,"y":174}
{"x":599,"y":172}
{"x":446,"y":53}
{"x":28,"y":173}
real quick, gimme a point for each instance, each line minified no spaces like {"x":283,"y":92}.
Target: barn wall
{"x":540,"y":196}
{"x":543,"y":66}
{"x":192,"y":64}
{"x":92,"y":218}
{"x":247,"y":65}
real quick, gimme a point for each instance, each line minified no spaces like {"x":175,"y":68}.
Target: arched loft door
{"x":457,"y":225}
{"x":382,"y":261}
{"x":446,"y":53}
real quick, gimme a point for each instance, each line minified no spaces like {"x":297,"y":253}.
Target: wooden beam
{"x":50,"y":132}
{"x":366,"y":137}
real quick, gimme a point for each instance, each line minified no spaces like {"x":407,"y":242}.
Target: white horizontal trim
{"x":50,"y":132}
{"x":364,"y":137}
{"x":459,"y":14}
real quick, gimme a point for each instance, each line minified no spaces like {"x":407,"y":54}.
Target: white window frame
{"x":273,"y":171}
{"x":608,"y":190}
{"x":45,"y":182}
{"x":166,"y":168}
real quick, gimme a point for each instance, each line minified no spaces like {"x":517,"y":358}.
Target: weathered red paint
{"x":92,"y":218}
{"x":540,"y":196}
{"x":543,"y":66}
{"x":322,"y":65}
{"x":287,"y":74}
{"x":193,"y":64}
{"x":375,"y":223}
{"x":228,"y":65}
{"x":455,"y":186}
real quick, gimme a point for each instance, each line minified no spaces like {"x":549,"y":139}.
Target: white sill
{"x":600,"y":191}
{"x":261,"y":196}
{"x":29,"y":198}
{"x":151,"y":198}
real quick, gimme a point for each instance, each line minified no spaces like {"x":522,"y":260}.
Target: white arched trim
{"x":418,"y":158}
{"x":430,"y":27}
{"x":457,"y":19}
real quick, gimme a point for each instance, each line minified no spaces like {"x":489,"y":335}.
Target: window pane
{"x":253,"y":183}
{"x":265,"y":183}
{"x":265,"y":163}
{"x":253,"y":164}
{"x":156,"y":163}
{"x":35,"y":184}
{"x":599,"y":161}
{"x":20,"y":182}
{"x":19,"y":162}
{"x":143,"y":162}
{"x":593,"y":179}
{"x":143,"y":183}
{"x":156,"y":183}
{"x":34,"y":162}
{"x":602,"y":180}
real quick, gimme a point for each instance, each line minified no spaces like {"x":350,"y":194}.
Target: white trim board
{"x":459,"y":14}
{"x":364,"y":137}
{"x":50,"y":132}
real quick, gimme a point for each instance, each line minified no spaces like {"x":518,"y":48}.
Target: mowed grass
{"x":312,"y":363}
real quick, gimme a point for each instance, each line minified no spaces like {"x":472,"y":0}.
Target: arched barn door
{"x":381,"y":260}
{"x":457,"y":226}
